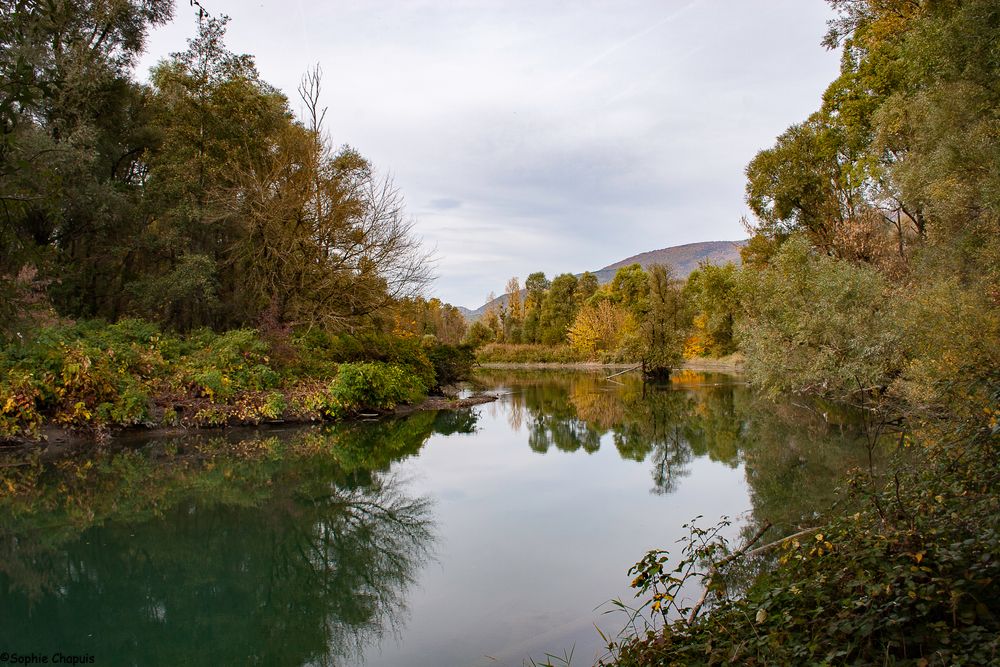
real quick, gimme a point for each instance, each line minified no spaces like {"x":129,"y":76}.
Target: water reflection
{"x":298,"y":550}
{"x":303,"y":546}
{"x":791,"y":450}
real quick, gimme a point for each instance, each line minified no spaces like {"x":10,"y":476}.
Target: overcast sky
{"x":553,"y":136}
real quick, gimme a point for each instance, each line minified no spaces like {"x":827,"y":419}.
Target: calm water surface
{"x":476,"y":537}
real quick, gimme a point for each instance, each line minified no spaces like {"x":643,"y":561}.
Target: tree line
{"x":189,"y":251}
{"x":641,"y":315}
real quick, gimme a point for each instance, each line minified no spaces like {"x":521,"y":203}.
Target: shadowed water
{"x":480,"y":536}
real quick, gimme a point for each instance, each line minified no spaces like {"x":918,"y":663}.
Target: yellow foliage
{"x":697,"y":343}
{"x":602,"y":327}
{"x":694,"y":346}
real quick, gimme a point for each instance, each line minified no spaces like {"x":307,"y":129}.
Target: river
{"x":486,"y":536}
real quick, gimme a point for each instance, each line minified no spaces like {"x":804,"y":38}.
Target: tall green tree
{"x":71,"y":141}
{"x":535,"y":287}
{"x":710,"y":292}
{"x":630,"y":287}
{"x":558,"y":310}
{"x":586,"y":287}
{"x":819,"y":324}
{"x":218,"y":121}
{"x":513,"y":324}
{"x":665,"y":324}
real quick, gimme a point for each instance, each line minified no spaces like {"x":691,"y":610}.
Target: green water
{"x":482,"y":536}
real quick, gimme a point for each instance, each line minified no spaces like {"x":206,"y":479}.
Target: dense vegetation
{"x":92,"y":376}
{"x":640,"y":316}
{"x":872,"y":277}
{"x":237,"y":254}
{"x":197,"y":200}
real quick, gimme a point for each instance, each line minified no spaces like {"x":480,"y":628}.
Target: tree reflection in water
{"x":298,"y":552}
{"x":790,"y":450}
{"x":300,"y":548}
{"x":666,"y":424}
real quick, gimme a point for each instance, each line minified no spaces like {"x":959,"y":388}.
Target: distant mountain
{"x":682,"y":258}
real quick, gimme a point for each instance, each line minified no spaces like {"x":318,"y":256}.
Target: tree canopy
{"x":196,"y":200}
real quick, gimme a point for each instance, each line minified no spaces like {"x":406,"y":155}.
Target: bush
{"x":94,"y":375}
{"x":223,"y":365}
{"x":816,"y":324}
{"x":919,"y":584}
{"x":85,"y":375}
{"x":91,"y":375}
{"x":478,"y":335}
{"x":19,"y":399}
{"x":373,"y":385}
{"x":320,"y":353}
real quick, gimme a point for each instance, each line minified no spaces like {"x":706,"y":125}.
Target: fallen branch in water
{"x":740,"y":554}
{"x":714,"y":570}
{"x":614,"y":375}
{"x":771,"y":545}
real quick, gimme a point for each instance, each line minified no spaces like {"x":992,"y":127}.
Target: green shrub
{"x":214,"y":385}
{"x":817,"y":324}
{"x":274,"y":405}
{"x":407,"y":352}
{"x":374,"y":385}
{"x":913,"y":578}
{"x":91,"y":375}
{"x":478,"y":335}
{"x":19,"y":399}
{"x":223,"y":365}
{"x":129,"y":409}
{"x":320,"y":353}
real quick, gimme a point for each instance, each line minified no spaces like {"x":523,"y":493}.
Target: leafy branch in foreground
{"x":917,"y":587}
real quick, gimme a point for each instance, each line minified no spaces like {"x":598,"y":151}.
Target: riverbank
{"x":729,"y":364}
{"x":58,"y":440}
{"x":92,"y":380}
{"x":905,"y":566}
